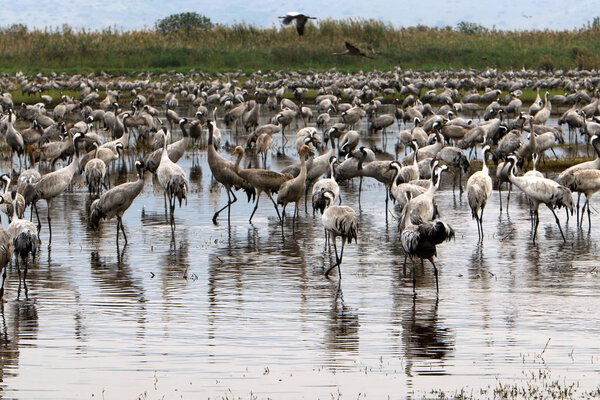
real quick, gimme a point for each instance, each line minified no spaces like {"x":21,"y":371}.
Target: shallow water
{"x":242,"y":311}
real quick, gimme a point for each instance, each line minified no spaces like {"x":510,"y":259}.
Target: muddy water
{"x":241,"y":311}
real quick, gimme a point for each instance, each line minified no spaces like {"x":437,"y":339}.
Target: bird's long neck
{"x":302,"y":174}
{"x":484,"y":167}
{"x":331,"y":170}
{"x":184,"y":131}
{"x":597,"y":148}
{"x":396,"y":176}
{"x":238,"y":161}
{"x":532,"y":136}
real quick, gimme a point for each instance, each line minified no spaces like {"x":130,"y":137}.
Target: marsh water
{"x":244,"y":311}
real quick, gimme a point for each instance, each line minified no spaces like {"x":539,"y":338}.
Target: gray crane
{"x":114,"y":202}
{"x":51,"y":185}
{"x":339,"y":221}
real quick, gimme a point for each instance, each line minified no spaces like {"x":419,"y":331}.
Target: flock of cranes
{"x":90,"y":135}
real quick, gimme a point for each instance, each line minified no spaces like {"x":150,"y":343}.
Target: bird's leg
{"x":535,"y":224}
{"x":552,"y":150}
{"x":508,"y":198}
{"x":306,"y":199}
{"x":275,"y":205}
{"x":173,"y":211}
{"x":165,"y":200}
{"x":120,"y":223}
{"x":500,"y":194}
{"x":255,"y":207}
{"x":19,"y":273}
{"x":359,"y":189}
{"x":25,"y":278}
{"x":578,"y":198}
{"x":341,"y":256}
{"x":387,"y":200}
{"x":580,"y":222}
{"x":414,"y":277}
{"x":229,"y":203}
{"x":336,"y":259}
{"x":39,"y":225}
{"x":589,"y":215}
{"x":3,"y":280}
{"x":460,"y":188}
{"x":294,"y":217}
{"x":558,"y":222}
{"x":435,"y":272}
{"x":49,"y":224}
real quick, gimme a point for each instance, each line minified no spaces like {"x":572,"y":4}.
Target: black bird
{"x":300,"y":20}
{"x":352,"y":50}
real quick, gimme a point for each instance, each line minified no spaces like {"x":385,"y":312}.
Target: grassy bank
{"x":250,"y":48}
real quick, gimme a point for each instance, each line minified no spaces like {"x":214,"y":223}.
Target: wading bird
{"x":479,"y":190}
{"x":339,"y":221}
{"x":116,"y":201}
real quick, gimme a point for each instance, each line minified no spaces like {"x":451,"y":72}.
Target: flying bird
{"x":352,"y":50}
{"x":300,"y":20}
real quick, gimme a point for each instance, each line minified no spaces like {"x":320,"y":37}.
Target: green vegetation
{"x":186,"y":22}
{"x":192,"y":41}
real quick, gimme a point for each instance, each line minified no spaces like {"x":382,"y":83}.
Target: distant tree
{"x":187,"y":21}
{"x":471,"y":28}
{"x":596,"y":23}
{"x":15,"y":29}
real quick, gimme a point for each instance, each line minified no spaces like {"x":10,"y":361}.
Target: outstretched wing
{"x":351,"y":48}
{"x":288,"y":19}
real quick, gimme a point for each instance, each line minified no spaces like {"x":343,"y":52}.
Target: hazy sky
{"x":137,"y":14}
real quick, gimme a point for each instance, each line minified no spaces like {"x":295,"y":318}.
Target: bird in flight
{"x":300,"y":20}
{"x":352,"y":50}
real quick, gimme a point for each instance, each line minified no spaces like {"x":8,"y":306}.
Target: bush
{"x":187,"y":21}
{"x":471,"y":28}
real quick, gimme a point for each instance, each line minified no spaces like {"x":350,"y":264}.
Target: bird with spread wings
{"x":299,"y":19}
{"x":352,"y":50}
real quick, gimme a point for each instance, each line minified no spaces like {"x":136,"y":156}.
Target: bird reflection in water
{"x":342,"y":330}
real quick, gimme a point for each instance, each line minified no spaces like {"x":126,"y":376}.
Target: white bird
{"x":479,"y":190}
{"x":541,"y":190}
{"x":339,"y":221}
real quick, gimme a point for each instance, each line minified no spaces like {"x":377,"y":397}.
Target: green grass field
{"x":246,"y":47}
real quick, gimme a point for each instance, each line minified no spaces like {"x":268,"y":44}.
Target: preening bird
{"x":299,"y":19}
{"x":323,"y":185}
{"x":352,"y":50}
{"x":420,"y":240}
{"x":339,"y":221}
